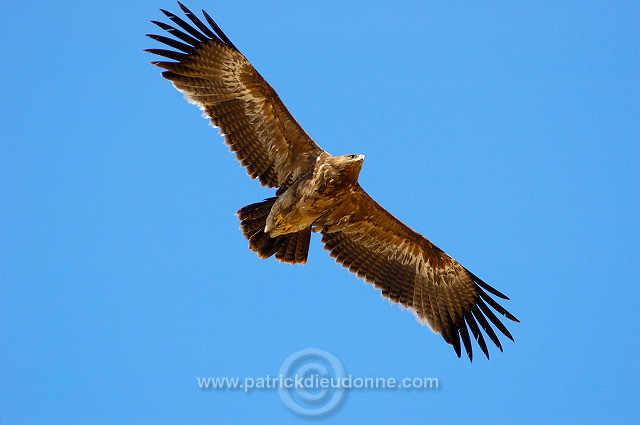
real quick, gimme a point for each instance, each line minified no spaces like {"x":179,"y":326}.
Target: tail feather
{"x":291,"y":248}
{"x":257,"y":210}
{"x":294,"y":247}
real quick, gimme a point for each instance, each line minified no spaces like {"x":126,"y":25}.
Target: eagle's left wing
{"x":214,"y":75}
{"x":410,"y":270}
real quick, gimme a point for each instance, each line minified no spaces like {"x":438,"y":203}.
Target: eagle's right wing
{"x":214,"y":75}
{"x":410,"y":270}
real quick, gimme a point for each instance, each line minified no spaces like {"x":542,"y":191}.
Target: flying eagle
{"x":320,"y":192}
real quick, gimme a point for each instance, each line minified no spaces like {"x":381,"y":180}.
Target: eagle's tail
{"x":291,"y":248}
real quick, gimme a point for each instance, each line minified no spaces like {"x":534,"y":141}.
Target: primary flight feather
{"x":320,"y":192}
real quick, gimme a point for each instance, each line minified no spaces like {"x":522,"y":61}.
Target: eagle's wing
{"x":410,"y":270}
{"x":214,"y":75}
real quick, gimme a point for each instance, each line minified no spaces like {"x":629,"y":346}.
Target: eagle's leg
{"x":279,"y":223}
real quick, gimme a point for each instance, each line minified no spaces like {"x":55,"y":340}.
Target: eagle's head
{"x":348,"y":165}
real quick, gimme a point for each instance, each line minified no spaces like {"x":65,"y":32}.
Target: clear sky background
{"x":508,"y":134}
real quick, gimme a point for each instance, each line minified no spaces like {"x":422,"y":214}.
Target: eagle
{"x":319,"y":192}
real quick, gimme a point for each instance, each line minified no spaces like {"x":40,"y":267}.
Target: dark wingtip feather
{"x":182,"y":7}
{"x":169,"y":15}
{"x":181,"y":57}
{"x":169,"y":75}
{"x":161,"y":25}
{"x":455,"y":341}
{"x":451,"y":337}
{"x":464,"y":333}
{"x":473,"y":325}
{"x":492,"y":317}
{"x":218,"y":31}
{"x":180,"y":34}
{"x":186,"y":27}
{"x":197,"y":22}
{"x":171,"y":42}
{"x":487,"y":287}
{"x":486,"y":326}
{"x":503,"y":311}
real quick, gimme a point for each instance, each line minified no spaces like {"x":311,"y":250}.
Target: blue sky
{"x":508,"y":134}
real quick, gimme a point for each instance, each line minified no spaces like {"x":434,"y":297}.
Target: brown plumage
{"x":320,"y":192}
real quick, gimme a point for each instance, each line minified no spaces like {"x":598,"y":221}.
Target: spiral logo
{"x":312,"y":377}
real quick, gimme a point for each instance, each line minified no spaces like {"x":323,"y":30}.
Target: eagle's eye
{"x":352,"y":156}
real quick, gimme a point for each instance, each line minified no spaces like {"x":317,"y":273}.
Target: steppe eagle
{"x":320,"y":192}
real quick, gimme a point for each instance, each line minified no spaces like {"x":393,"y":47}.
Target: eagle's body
{"x":320,"y":192}
{"x":283,"y":225}
{"x":316,"y":193}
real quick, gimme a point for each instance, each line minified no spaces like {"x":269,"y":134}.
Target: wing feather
{"x":410,"y":270}
{"x":213,"y":74}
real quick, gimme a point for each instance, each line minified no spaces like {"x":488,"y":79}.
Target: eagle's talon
{"x":278,"y":223}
